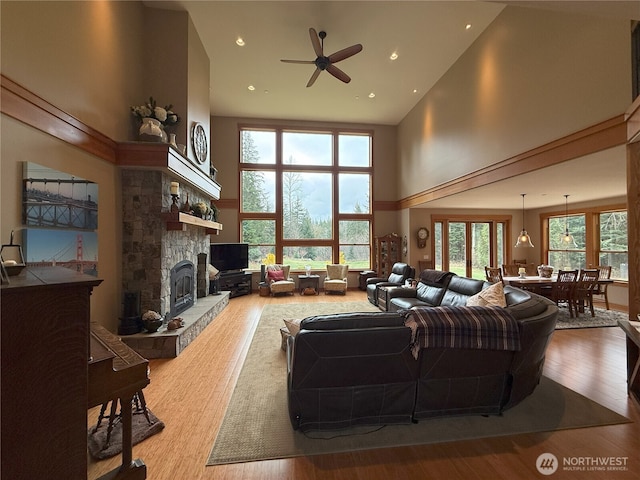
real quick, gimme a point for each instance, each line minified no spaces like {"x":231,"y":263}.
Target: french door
{"x":467,"y":245}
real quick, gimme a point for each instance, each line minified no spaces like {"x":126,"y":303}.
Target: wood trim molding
{"x":19,"y":103}
{"x":632,"y":117}
{"x":607,"y":134}
{"x":379,"y":205}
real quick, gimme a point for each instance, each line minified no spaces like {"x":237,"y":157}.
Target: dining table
{"x":541,"y":285}
{"x":534,"y":283}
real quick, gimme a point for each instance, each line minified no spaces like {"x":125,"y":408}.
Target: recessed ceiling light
{"x":372,"y":95}
{"x":393,"y":56}
{"x":251,"y":88}
{"x":415,"y":90}
{"x":467,"y":26}
{"x":240,"y":42}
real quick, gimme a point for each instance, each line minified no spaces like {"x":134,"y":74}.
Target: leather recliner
{"x":400,"y":272}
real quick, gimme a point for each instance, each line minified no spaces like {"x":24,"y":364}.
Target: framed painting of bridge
{"x":60,"y":212}
{"x":55,"y":199}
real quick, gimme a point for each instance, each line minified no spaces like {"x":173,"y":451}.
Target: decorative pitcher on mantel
{"x":151,"y":130}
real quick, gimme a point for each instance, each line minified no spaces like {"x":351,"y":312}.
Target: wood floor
{"x":190,"y":394}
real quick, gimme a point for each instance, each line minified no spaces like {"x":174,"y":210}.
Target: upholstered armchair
{"x":400,"y":272}
{"x":279,"y":280}
{"x":336,"y":279}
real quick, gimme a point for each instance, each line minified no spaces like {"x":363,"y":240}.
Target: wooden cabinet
{"x":45,"y":353}
{"x":388,"y":251}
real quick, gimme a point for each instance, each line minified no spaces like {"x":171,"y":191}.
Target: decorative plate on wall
{"x":199,"y":142}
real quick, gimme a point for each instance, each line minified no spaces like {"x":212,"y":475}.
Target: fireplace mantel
{"x":178,"y":221}
{"x":163,"y":157}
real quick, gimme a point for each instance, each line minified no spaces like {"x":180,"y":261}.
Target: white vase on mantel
{"x":151,"y":130}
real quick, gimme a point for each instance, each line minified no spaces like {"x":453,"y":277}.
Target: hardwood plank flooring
{"x":190,"y":394}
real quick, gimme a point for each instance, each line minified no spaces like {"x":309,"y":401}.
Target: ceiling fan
{"x":327,"y":63}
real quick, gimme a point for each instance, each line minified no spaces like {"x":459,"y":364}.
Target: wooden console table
{"x":633,"y":358}
{"x":45,"y":352}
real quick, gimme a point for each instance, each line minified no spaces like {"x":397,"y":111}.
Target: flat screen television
{"x":229,"y":256}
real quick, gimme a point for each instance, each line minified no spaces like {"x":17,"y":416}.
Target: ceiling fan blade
{"x":297,"y":61}
{"x":345,"y":53}
{"x":339,"y":74}
{"x":313,"y":77}
{"x":315,"y":41}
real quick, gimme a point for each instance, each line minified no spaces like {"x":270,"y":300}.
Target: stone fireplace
{"x":163,"y":252}
{"x":149,"y":249}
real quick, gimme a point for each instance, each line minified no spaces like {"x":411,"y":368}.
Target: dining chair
{"x":604,"y":273}
{"x":587,"y":281}
{"x":531,"y":268}
{"x":564,"y":288}
{"x":510,"y":270}
{"x":493,"y":274}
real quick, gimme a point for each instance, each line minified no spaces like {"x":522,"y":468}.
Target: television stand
{"x":238,"y":282}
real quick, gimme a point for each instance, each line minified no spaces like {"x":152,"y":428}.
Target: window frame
{"x":592,"y":231}
{"x":335,"y":169}
{"x":440,"y":223}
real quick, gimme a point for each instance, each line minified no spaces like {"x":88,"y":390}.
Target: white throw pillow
{"x":293,"y":325}
{"x":492,"y":296}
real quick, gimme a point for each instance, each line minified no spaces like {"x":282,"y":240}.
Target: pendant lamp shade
{"x":523,"y":239}
{"x":567,"y":239}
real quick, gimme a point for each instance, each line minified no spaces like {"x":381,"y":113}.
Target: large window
{"x":306,"y":197}
{"x":563,"y":254}
{"x":599,"y":238}
{"x":614,"y":247}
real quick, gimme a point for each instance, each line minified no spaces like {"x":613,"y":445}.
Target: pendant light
{"x":523,"y":239}
{"x":567,"y":239}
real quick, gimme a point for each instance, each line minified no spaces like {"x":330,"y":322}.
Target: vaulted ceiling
{"x":427,"y":36}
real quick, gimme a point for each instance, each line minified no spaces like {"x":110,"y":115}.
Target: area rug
{"x":256,"y":425}
{"x":603,"y":318}
{"x":140,"y":429}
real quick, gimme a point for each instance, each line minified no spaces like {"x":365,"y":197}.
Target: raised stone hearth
{"x":169,"y":343}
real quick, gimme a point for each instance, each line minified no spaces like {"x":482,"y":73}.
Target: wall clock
{"x":423,"y":235}
{"x":199,"y":142}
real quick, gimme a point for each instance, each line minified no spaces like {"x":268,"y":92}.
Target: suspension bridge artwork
{"x":74,"y":249}
{"x":58,"y":200}
{"x":61,"y":214}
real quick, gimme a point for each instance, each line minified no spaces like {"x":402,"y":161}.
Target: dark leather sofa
{"x":400,"y":272}
{"x":357,"y":369}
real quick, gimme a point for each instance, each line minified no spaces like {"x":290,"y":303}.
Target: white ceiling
{"x":428,"y":36}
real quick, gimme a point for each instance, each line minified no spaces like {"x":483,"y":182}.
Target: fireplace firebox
{"x":182,"y":277}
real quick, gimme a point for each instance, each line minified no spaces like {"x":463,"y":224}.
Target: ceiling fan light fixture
{"x":524,"y":240}
{"x":323,"y":62}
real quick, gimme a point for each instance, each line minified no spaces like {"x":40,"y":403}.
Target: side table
{"x":309,"y":281}
{"x":383,"y":297}
{"x":633,"y":358}
{"x":363,"y":277}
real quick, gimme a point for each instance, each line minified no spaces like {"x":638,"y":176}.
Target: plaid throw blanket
{"x":489,"y":328}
